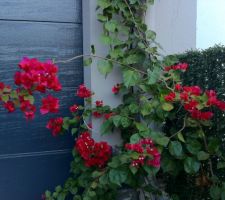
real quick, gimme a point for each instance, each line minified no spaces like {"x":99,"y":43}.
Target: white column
{"x":102,"y":87}
{"x":174,"y":21}
{"x":175,"y":24}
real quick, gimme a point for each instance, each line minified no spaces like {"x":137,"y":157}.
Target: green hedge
{"x":207,"y":69}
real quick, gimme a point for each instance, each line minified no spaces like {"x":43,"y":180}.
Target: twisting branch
{"x":210,"y":161}
{"x":183,"y":127}
{"x":100,"y":57}
{"x":135,"y":23}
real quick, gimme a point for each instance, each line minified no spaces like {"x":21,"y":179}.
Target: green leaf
{"x":92,"y":49}
{"x":135,"y":138}
{"x":168,"y":164}
{"x":220,"y":165}
{"x":105,"y":39}
{"x":175,"y":149}
{"x":146,"y":108}
{"x":117,"y":120}
{"x":167,"y":106}
{"x":74,"y":131}
{"x":61,"y":196}
{"x":102,"y":18}
{"x":133,"y":1}
{"x":117,"y":176}
{"x":5,"y":98}
{"x":163,"y":141}
{"x":191,"y":165}
{"x":104,"y":67}
{"x":131,"y":78}
{"x":202,"y":155}
{"x":106,"y":127}
{"x":66,"y":123}
{"x":151,"y":2}
{"x":193,"y":146}
{"x":104,"y":179}
{"x":181,"y":137}
{"x":29,"y":98}
{"x":134,"y":170}
{"x":14,"y":94}
{"x":111,"y":25}
{"x":151,"y":35}
{"x":223,"y":195}
{"x":116,"y":53}
{"x":125,"y":122}
{"x":133,"y":108}
{"x":103,"y":3}
{"x":170,"y":60}
{"x":215,"y":192}
{"x":47,"y":194}
{"x":153,"y":76}
{"x":141,"y":126}
{"x":214,"y":145}
{"x":87,"y":62}
{"x":133,"y":59}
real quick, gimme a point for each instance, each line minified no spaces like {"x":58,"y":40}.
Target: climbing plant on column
{"x":152,"y":94}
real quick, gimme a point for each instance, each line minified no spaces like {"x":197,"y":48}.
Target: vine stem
{"x":183,"y":127}
{"x":89,"y":128}
{"x":136,"y":25}
{"x":100,"y":57}
{"x":210,"y":161}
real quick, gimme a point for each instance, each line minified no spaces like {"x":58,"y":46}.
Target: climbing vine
{"x":152,"y":95}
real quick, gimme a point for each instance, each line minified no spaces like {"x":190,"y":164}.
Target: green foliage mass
{"x":189,"y":152}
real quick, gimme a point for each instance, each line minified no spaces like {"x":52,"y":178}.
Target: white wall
{"x":175,"y":24}
{"x":102,"y":87}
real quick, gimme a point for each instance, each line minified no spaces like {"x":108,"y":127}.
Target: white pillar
{"x":175,"y":24}
{"x":102,"y":87}
{"x":174,"y":21}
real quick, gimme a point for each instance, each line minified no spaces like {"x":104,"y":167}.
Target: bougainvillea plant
{"x":152,"y":94}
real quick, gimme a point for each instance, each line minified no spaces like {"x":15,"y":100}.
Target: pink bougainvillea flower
{"x":184,"y":96}
{"x":28,"y":109}
{"x":191,"y":105}
{"x":50,"y":104}
{"x":179,"y":66}
{"x":2,"y":86}
{"x":9,"y":105}
{"x":94,"y":153}
{"x":116,"y":88}
{"x":97,"y":114}
{"x":145,"y":147}
{"x":197,"y":114}
{"x":83,"y":92}
{"x":178,"y":87}
{"x":221,"y":105}
{"x":74,"y":108}
{"x":55,"y":125}
{"x":99,"y":103}
{"x":36,"y":75}
{"x":170,"y":97}
{"x":108,"y":115}
{"x":193,"y":90}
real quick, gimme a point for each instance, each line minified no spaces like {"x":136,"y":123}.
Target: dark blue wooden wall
{"x":31,"y":160}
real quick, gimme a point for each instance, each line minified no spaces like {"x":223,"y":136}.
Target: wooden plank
{"x":42,"y":10}
{"x":44,"y":41}
{"x":27,"y":178}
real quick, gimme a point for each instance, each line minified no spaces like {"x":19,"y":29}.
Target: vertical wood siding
{"x":31,"y":160}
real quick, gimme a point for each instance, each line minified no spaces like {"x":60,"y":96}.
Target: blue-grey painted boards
{"x":31,"y":160}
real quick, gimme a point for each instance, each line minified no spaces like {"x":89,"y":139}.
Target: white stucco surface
{"x":174,"y":21}
{"x":99,"y":85}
